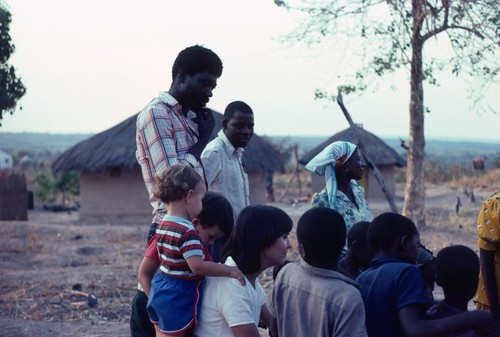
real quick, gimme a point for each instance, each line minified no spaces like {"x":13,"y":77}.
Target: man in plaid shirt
{"x":174,"y":128}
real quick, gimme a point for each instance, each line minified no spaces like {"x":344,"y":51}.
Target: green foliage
{"x":45,"y":191}
{"x":386,"y":33}
{"x":67,"y":184}
{"x":11,"y":87}
{"x":49,"y":189}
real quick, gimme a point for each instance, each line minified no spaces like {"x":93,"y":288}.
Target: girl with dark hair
{"x":259,"y":240}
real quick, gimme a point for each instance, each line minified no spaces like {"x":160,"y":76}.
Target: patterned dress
{"x":345,"y":207}
{"x":488,"y":230}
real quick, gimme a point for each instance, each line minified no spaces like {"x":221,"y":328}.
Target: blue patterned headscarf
{"x":325,"y":162}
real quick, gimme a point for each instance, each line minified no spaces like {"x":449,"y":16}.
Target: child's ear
{"x":403,"y":243}
{"x":196,"y":222}
{"x":189,"y":195}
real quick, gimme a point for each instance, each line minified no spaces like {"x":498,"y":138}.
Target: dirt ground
{"x":43,"y":261}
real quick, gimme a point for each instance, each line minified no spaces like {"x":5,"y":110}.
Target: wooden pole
{"x":295,"y":175}
{"x":366,"y":156}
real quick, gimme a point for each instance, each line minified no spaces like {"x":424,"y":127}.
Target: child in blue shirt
{"x":393,"y":289}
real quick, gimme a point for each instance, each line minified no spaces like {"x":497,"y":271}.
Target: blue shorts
{"x":174,"y":303}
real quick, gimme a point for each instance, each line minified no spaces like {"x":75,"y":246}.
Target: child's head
{"x":257,"y":228}
{"x":457,"y":271}
{"x":426,"y":262}
{"x":180,"y":182}
{"x":357,"y":243}
{"x":394,"y":235}
{"x":215,"y":219}
{"x":321,"y":234}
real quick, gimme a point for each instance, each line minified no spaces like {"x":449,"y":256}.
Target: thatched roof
{"x":116,"y":147}
{"x":380,"y":153}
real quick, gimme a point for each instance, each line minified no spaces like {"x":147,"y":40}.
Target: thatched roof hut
{"x":383,"y":156}
{"x":109,"y":169}
{"x":116,"y":147}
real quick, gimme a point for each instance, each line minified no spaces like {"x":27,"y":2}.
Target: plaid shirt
{"x":164,"y":137}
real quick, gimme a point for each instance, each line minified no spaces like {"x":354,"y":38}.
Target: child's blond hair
{"x":175,"y":182}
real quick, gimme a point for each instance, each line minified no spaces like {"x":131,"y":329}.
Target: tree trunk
{"x":414,"y":202}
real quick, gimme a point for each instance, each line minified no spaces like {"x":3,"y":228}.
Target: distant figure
{"x":472,"y":198}
{"x":342,"y":165}
{"x":269,"y":186}
{"x":466,"y":190}
{"x":458,"y":204}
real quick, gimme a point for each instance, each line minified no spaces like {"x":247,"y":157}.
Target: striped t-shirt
{"x":176,"y":241}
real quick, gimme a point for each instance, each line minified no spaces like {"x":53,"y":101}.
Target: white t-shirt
{"x":226,"y":303}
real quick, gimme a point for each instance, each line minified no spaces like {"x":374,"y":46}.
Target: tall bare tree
{"x":391,"y":36}
{"x":11,"y":87}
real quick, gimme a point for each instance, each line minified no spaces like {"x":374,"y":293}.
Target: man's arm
{"x":206,"y":124}
{"x":246,"y":330}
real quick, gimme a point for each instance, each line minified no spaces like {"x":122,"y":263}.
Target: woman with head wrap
{"x":341,"y":164}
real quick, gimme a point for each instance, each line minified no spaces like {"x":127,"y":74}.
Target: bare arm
{"x":146,"y":272}
{"x":247,"y":330}
{"x":413,"y":326}
{"x":487,"y":260}
{"x":208,"y":268}
{"x":265,"y":316}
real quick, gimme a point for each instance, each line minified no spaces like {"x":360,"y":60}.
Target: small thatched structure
{"x":110,"y":176}
{"x":382,"y":155}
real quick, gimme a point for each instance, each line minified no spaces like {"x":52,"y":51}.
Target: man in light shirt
{"x":221,"y":159}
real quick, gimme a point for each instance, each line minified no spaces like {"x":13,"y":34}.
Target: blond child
{"x":176,"y":292}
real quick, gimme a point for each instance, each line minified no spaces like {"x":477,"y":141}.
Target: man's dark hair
{"x":256,"y":228}
{"x":358,"y":233}
{"x":387,"y":228}
{"x":235,"y":106}
{"x":216,"y":211}
{"x":457,"y":270}
{"x":197,"y":59}
{"x":322,"y":233}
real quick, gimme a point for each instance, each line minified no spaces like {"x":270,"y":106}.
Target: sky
{"x":89,"y":65}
